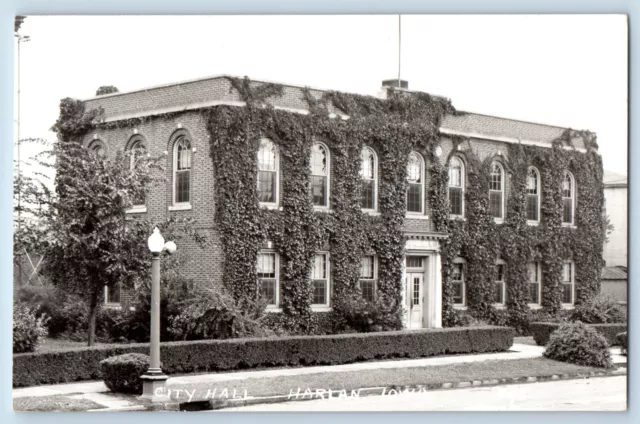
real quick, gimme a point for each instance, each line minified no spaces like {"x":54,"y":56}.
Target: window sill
{"x":115,"y":306}
{"x":457,"y":217}
{"x":271,"y":206}
{"x":320,"y":308}
{"x":499,"y":306}
{"x":533,"y":223}
{"x":570,"y":226}
{"x":568,"y":306}
{"x":460,"y":307}
{"x":273,"y":309}
{"x":416,"y":216}
{"x":498,"y":220}
{"x":371,"y":212}
{"x":534,"y":306}
{"x":324,"y":209}
{"x":181,"y":207}
{"x":137,"y":209}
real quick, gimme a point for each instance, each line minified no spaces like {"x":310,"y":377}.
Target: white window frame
{"x":539,"y":194}
{"x":327,"y":304}
{"x":181,"y":205}
{"x":106,"y":297}
{"x":539,"y":282}
{"x":462,"y":261}
{"x":327,"y":174}
{"x":98,"y":143}
{"x":375,"y":178}
{"x":375,"y":276}
{"x":504,"y":284}
{"x":573,"y":284}
{"x":573,"y":199}
{"x":139,"y":141}
{"x":276,"y":306}
{"x":502,"y":191}
{"x":270,"y":205}
{"x":421,"y":162}
{"x":462,"y":186}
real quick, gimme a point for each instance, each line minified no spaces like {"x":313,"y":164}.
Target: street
{"x":596,"y":394}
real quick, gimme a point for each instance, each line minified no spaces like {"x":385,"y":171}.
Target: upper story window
{"x":182,"y":171}
{"x":320,"y":163}
{"x":456,"y":187}
{"x":415,"y":182}
{"x":368,"y":276}
{"x":496,"y":192}
{"x":320,"y":278}
{"x":533,"y":195}
{"x":99,"y":148}
{"x":499,"y":294}
{"x":568,"y":198}
{"x":458,"y":282}
{"x":535,"y":283}
{"x":138,"y":150}
{"x":369,"y":174}
{"x":267,"y":270}
{"x":268,"y":172}
{"x":568,"y":283}
{"x":112,"y":294}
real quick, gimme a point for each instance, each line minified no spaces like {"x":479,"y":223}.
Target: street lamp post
{"x":153,"y":381}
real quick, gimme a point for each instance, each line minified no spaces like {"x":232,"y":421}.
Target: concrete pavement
{"x":594,"y":394}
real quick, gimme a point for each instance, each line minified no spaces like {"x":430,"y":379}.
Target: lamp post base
{"x":153,"y":387}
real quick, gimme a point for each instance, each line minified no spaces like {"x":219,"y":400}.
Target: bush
{"x":579,"y":344}
{"x":214,"y":316}
{"x":356,"y":314}
{"x":211,"y":355}
{"x":622,"y":341}
{"x":28,"y":329}
{"x":542,"y":331}
{"x":601,"y":309}
{"x":121,"y":374}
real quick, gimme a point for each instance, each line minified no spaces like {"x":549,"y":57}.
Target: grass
{"x":53,"y":403}
{"x":484,"y":370}
{"x":61,"y":345}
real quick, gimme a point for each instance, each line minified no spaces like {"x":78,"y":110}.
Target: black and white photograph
{"x":234,"y":213}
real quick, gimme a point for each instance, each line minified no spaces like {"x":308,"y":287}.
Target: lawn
{"x":53,"y":403}
{"x":274,"y":386}
{"x":60,"y":345}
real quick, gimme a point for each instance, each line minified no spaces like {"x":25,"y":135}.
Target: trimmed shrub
{"x":601,"y":309}
{"x":121,"y":374}
{"x":356,"y":314}
{"x":28,"y":329}
{"x":622,"y":341}
{"x":579,"y":344}
{"x":212,"y":355}
{"x":541,"y":331}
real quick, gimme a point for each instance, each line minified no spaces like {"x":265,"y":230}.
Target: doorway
{"x":415,"y":291}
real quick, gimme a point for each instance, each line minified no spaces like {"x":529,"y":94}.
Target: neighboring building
{"x":182,"y":136}
{"x":614,"y":282}
{"x":615,"y":194}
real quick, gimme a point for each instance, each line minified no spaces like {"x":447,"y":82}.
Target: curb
{"x":217,"y":404}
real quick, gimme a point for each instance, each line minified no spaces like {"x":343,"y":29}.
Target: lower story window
{"x":534,"y":283}
{"x":568,"y":283}
{"x":320,"y":279}
{"x":457,"y":280}
{"x":499,"y":285}
{"x":368,"y":272}
{"x":112,"y":294}
{"x":268,"y":277}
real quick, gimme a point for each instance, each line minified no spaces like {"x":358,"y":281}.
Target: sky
{"x":565,"y":70}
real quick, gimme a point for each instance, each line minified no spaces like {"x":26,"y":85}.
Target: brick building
{"x":190,"y":180}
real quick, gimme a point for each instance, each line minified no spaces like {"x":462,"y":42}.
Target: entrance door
{"x":415,"y":288}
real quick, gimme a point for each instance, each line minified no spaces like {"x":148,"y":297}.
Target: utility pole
{"x":21,"y":39}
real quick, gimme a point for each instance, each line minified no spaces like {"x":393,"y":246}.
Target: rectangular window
{"x":568,"y":280}
{"x":368,"y":194}
{"x":320,"y":277}
{"x":532,"y":207}
{"x":414,"y":198}
{"x":455,"y":200}
{"x":368,"y":277}
{"x":268,"y":277}
{"x":495,"y":203}
{"x":457,"y":279}
{"x":567,"y":215}
{"x":534,"y":283}
{"x":499,"y":285}
{"x":414,"y":261}
{"x":267,"y":186}
{"x":319,"y":190}
{"x":112,"y":294}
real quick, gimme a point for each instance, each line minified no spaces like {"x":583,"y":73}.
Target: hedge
{"x":541,"y":331}
{"x":214,"y":355}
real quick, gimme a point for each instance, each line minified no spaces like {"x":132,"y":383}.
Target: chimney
{"x":394,"y":83}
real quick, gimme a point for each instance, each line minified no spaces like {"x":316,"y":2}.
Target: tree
{"x":82,"y":227}
{"x":17,"y":23}
{"x":106,"y":89}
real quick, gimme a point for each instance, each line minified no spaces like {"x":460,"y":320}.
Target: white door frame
{"x":432,"y":282}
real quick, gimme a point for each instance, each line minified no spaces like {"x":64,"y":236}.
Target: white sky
{"x":568,"y":70}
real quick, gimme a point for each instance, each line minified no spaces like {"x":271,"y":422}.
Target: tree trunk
{"x":93,"y":313}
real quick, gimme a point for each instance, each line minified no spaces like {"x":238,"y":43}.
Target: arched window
{"x":320,"y":174}
{"x":138,"y":150}
{"x":456,"y":187}
{"x":369,"y":174}
{"x":415,"y":182}
{"x":268,"y":172}
{"x":533,"y":195}
{"x":99,"y":148}
{"x":182,"y":170}
{"x":568,"y":198}
{"x":496,"y":191}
